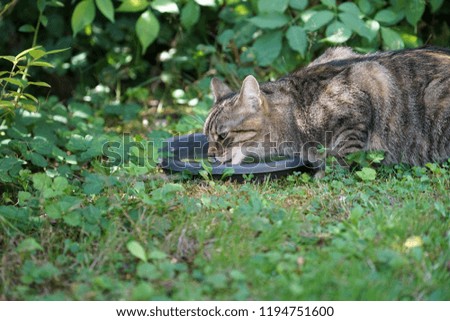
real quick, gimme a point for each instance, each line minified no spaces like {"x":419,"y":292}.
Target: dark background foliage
{"x":226,"y":38}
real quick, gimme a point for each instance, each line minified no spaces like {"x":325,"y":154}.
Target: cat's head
{"x":238,"y":125}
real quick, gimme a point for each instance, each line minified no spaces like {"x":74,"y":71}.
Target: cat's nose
{"x":212,"y":151}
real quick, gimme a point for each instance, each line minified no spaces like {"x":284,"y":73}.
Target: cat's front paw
{"x":319,"y":174}
{"x":236,"y":155}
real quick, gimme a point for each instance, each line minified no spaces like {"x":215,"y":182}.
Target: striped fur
{"x":396,"y":101}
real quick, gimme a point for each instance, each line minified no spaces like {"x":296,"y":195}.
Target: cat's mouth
{"x":233,"y":155}
{"x":237,"y":155}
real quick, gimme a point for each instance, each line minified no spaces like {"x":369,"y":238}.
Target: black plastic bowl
{"x":185,"y":153}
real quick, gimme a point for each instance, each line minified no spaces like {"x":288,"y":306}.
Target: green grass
{"x":338,"y":238}
{"x":71,"y":229}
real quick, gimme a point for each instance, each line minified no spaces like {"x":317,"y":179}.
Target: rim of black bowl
{"x":175,"y":164}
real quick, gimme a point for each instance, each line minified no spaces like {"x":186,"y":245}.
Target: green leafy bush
{"x":15,"y":81}
{"x":155,"y":47}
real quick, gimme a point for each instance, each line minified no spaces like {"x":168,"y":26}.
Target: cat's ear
{"x":250,"y":93}
{"x":219,"y":89}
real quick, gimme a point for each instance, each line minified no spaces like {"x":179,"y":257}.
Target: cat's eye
{"x":222,"y":136}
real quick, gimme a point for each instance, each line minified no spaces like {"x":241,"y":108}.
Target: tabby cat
{"x":395,"y":101}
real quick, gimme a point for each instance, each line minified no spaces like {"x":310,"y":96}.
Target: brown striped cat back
{"x":395,"y":101}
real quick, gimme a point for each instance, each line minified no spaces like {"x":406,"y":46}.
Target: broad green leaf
{"x":83,"y":15}
{"x":31,"y":97}
{"x":72,"y":219}
{"x":318,"y":20}
{"x":228,"y":172}
{"x":218,"y":280}
{"x":167,"y":191}
{"x":9,"y":58}
{"x":436,"y":5}
{"x":297,"y":39}
{"x":106,"y":7}
{"x":204,"y":174}
{"x":55,"y":3}
{"x":298,"y":4}
{"x":414,"y":11}
{"x":44,"y":20}
{"x":26,"y":51}
{"x":69,"y":203}
{"x":18,"y":94}
{"x":225,"y":37}
{"x":147,"y":29}
{"x":5,"y":104}
{"x":190,"y":14}
{"x":157,"y":255}
{"x":77,"y":143}
{"x":350,"y":7}
{"x":269,"y":6}
{"x":41,"y":64}
{"x":41,"y":181}
{"x":356,"y":24}
{"x":30,"y":107}
{"x":8,"y":163}
{"x":270,"y":20}
{"x":15,"y":81}
{"x":37,"y":53}
{"x":41,"y":5}
{"x":268,"y":47}
{"x":60,"y":184}
{"x":365,"y":6}
{"x":38,"y":160}
{"x":375,"y":156}
{"x":93,"y":184}
{"x":244,"y":34}
{"x":337,"y":32}
{"x":39,"y":84}
{"x":26,"y":28}
{"x":356,"y":213}
{"x":29,"y":245}
{"x":367,"y":174}
{"x":147,"y":271}
{"x":137,"y":250}
{"x":440,"y":208}
{"x":23,"y":197}
{"x":142,"y":292}
{"x":50,"y":193}
{"x":133,"y":6}
{"x":168,"y":6}
{"x":53,"y":211}
{"x":328,"y":3}
{"x":391,"y":39}
{"x":411,"y":40}
{"x":386,"y":17}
